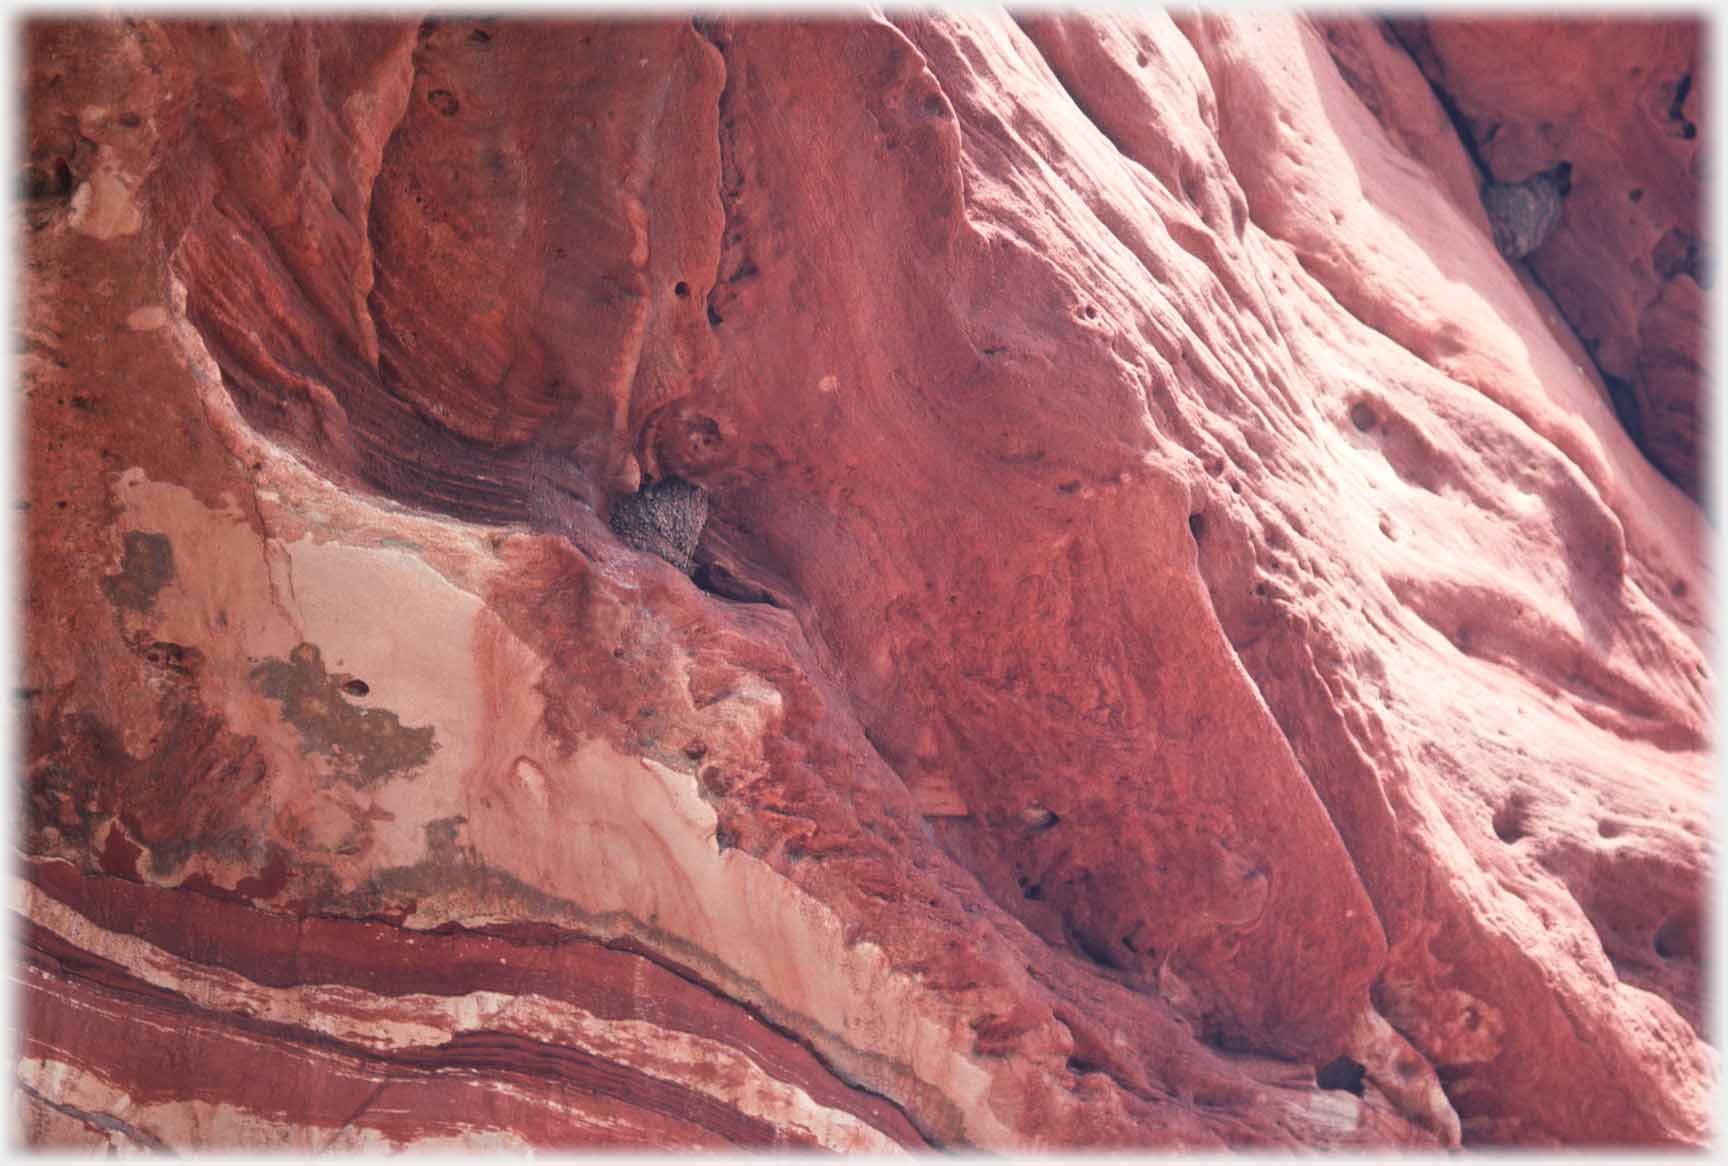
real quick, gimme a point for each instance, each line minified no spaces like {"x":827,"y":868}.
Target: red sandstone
{"x":1182,"y":653}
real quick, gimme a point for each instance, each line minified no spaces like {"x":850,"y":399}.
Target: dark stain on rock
{"x":120,"y":855}
{"x":48,"y":178}
{"x":269,"y":882}
{"x":175,"y":658}
{"x":1677,"y":253}
{"x":364,"y":746}
{"x":441,"y":844}
{"x":146,"y":566}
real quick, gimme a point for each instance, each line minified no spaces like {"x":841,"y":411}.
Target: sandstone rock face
{"x":1180,"y":651}
{"x":1620,"y":103}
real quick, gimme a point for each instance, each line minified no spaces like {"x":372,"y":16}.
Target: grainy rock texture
{"x":1523,"y":214}
{"x":665,"y":518}
{"x":1181,"y":651}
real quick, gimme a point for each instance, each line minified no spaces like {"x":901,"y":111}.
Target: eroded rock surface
{"x":1181,"y":651}
{"x":1621,"y":104}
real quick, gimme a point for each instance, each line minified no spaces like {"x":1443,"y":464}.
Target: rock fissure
{"x":103,"y":1121}
{"x":1673,"y":454}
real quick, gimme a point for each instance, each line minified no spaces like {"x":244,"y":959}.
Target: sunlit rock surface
{"x":1178,"y":649}
{"x":1621,"y":106}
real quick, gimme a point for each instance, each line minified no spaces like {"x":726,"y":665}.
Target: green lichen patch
{"x":363,"y":746}
{"x":146,"y":566}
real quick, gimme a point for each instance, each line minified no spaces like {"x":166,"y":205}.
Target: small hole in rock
{"x":1636,"y":194}
{"x":1609,"y":828}
{"x":1682,"y":90}
{"x":716,"y":579}
{"x":1197,"y":526}
{"x":444,"y":102}
{"x":1678,"y":937}
{"x":681,"y":289}
{"x":703,"y":434}
{"x":1038,"y":819}
{"x":50,"y":179}
{"x":1512,"y":822}
{"x":356,"y":688}
{"x":1080,"y":1065}
{"x":167,"y":655}
{"x":1362,"y":416}
{"x":1341,"y":1073}
{"x":1678,"y":589}
{"x":1034,"y":892}
{"x":1675,"y":252}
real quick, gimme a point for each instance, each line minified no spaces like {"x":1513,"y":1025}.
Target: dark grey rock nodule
{"x":1524,"y":214}
{"x":665,"y":519}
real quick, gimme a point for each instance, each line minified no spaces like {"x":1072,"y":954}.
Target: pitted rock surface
{"x":1183,"y":653}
